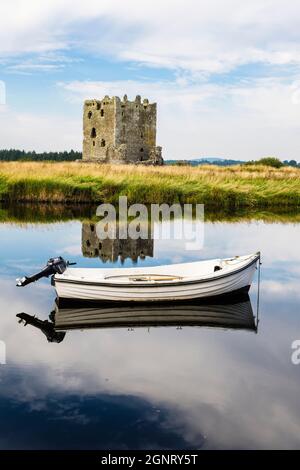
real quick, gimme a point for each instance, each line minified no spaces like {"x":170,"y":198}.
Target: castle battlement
{"x":120,"y":131}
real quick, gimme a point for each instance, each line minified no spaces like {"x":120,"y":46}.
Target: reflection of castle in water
{"x":113,"y":249}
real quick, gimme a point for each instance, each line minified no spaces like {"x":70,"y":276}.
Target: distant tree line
{"x":267,"y":161}
{"x":225,"y":162}
{"x":197,"y":162}
{"x":21,"y":155}
{"x":274,"y":162}
{"x":291,"y":163}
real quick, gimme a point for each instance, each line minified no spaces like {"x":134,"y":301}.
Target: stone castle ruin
{"x":120,"y":131}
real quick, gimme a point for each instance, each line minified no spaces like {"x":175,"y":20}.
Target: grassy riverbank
{"x":221,"y":187}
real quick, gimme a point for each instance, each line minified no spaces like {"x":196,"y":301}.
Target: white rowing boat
{"x":175,"y":282}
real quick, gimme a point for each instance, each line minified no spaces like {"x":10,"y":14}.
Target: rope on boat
{"x":258,"y":290}
{"x":227,"y":261}
{"x":258,"y":280}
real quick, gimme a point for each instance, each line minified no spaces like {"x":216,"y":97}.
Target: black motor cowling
{"x":54,"y":266}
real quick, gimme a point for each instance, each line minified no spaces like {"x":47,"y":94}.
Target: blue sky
{"x":225,"y":73}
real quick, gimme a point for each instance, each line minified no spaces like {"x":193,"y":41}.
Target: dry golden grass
{"x":235,"y":186}
{"x":45,"y":169}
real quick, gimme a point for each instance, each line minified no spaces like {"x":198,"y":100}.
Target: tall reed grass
{"x":224,"y":187}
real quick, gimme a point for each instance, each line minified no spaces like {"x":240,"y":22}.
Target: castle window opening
{"x":142,"y":135}
{"x":98,"y":105}
{"x":142,"y":149}
{"x":93,"y":133}
{"x":102,"y":143}
{"x":93,"y":143}
{"x":102,"y":112}
{"x":90,"y":114}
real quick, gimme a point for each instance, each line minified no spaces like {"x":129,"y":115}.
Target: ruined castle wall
{"x":136,"y":128}
{"x":120,"y":131}
{"x":98,"y":128}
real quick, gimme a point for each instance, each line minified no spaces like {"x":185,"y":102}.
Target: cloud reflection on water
{"x":239,"y":390}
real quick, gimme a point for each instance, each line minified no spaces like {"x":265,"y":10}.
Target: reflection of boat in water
{"x":46,"y":326}
{"x":237,"y":315}
{"x":234,"y":314}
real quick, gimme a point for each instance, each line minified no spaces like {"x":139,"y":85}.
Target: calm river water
{"x":223,"y":384}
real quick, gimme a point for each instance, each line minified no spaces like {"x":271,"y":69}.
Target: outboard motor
{"x":54,"y":266}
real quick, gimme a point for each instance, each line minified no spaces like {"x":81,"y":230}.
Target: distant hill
{"x":205,"y":161}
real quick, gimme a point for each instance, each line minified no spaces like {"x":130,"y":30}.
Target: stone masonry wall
{"x":98,"y":128}
{"x":120,"y":131}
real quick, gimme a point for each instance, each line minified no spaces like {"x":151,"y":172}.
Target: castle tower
{"x":118,"y":131}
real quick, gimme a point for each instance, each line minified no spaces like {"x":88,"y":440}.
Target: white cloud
{"x":46,"y":62}
{"x":196,"y":40}
{"x":28,"y":67}
{"x":245,"y":121}
{"x":39,"y":132}
{"x":194,"y":119}
{"x":190,"y":35}
{"x":2,"y":93}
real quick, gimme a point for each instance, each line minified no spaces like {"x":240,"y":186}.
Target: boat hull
{"x":237,"y":281}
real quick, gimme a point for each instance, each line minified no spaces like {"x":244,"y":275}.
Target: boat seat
{"x":145,"y":277}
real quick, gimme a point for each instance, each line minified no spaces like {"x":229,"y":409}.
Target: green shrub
{"x":267,"y":161}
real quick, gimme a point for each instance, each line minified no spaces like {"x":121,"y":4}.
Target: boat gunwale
{"x":160,"y":284}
